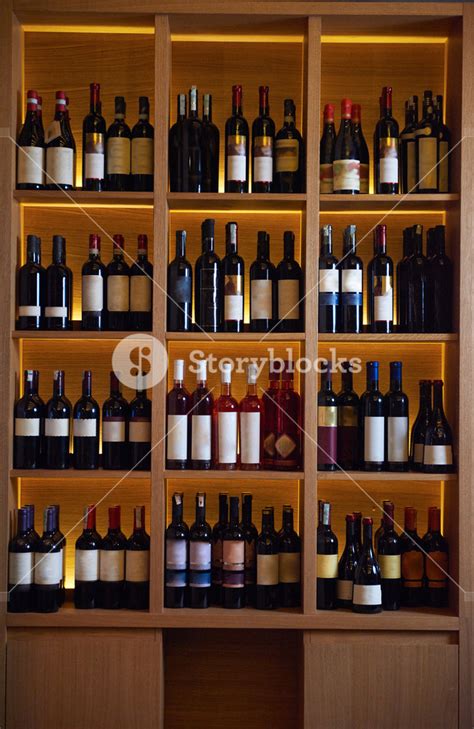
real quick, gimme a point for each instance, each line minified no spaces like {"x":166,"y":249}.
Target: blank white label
{"x":263,"y":169}
{"x":328,"y":280}
{"x":288,"y":299}
{"x":388,"y":170}
{"x":383,"y":307}
{"x":418,"y":452}
{"x":56,"y":427}
{"x":374,"y":438}
{"x":346,"y":174}
{"x":60,"y":165}
{"x":112,"y":565}
{"x":176,"y":554}
{"x":233,"y":307}
{"x":351,"y":281}
{"x":177,"y":438}
{"x":52,"y":311}
{"x":200,"y":556}
{"x":95,"y":166}
{"x":397,"y":434}
{"x":438,"y":455}
{"x":113,"y":431}
{"x":85,"y":428}
{"x":48,"y":568}
{"x":142,"y":156}
{"x":27,"y":427}
{"x":344,"y":589}
{"x":201,"y":438}
{"x":227,"y":437}
{"x":29,"y":311}
{"x":367,"y":595}
{"x":92,"y":293}
{"x":20,"y":568}
{"x":139,"y":432}
{"x":30,"y":165}
{"x":237,"y":168}
{"x":250,"y":437}
{"x":86,"y":565}
{"x":137,"y":565}
{"x":261,"y":299}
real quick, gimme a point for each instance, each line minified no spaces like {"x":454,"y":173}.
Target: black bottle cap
{"x":207,"y":228}
{"x":143,"y":105}
{"x":33,"y":244}
{"x":59,"y":247}
{"x":120,"y":105}
{"x":290,"y":107}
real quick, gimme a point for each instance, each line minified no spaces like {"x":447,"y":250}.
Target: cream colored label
{"x":344,"y":589}
{"x":388,"y":160}
{"x":27,"y":427}
{"x":328,"y":280}
{"x":30,"y":165}
{"x":137,"y":565}
{"x":397,"y":436}
{"x":56,"y":427}
{"x":267,"y":569}
{"x":177,"y":438}
{"x":390,"y":566}
{"x":20,"y":568}
{"x":201,"y":438}
{"x":60,"y":165}
{"x":367,"y":595}
{"x":383,"y":298}
{"x":374,"y":438}
{"x":140,"y":293}
{"x":113,"y":431}
{"x":250,"y":437}
{"x":327,"y":416}
{"x":427,"y":161}
{"x":287,"y":153}
{"x":346,"y":174}
{"x":227,"y":437}
{"x":48,"y":568}
{"x":351,"y":281}
{"x":92,"y":293}
{"x":118,"y":156}
{"x":326,"y":566}
{"x":118,"y":293}
{"x":261,"y":299}
{"x":438,"y":455}
{"x":289,"y":567}
{"x":140,"y":431}
{"x":233,"y":555}
{"x":443,"y":167}
{"x":86,"y":428}
{"x":112,"y":565}
{"x":237,"y":158}
{"x":233,"y":298}
{"x":288,"y":298}
{"x":87,"y":565}
{"x":142,"y":156}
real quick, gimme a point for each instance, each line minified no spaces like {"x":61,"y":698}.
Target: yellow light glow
{"x":235,"y":211}
{"x":82,"y":204}
{"x":119,"y":29}
{"x":381,"y":39}
{"x":395,"y":211}
{"x":234,"y":38}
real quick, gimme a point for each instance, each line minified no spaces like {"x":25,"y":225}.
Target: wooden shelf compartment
{"x":388,"y":204}
{"x":235,"y":338}
{"x":73,"y":474}
{"x":230,"y":201}
{"x":75,"y":334}
{"x":82,"y":198}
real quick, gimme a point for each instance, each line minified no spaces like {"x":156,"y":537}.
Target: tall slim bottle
{"x":86,"y":423}
{"x":251,"y":424}
{"x":28,"y":417}
{"x":372,"y":422}
{"x":200,"y":539}
{"x":290,"y":288}
{"x":438,"y":456}
{"x":444,"y":144}
{"x":233,"y":560}
{"x":57,"y":426}
{"x":418,"y":431}
{"x":94,"y":288}
{"x":396,"y":420}
{"x":30,"y":149}
{"x":179,"y":301}
{"x":440,"y":278}
{"x":31,"y":287}
{"x":142,"y":162}
{"x":48,"y":567}
{"x":412,"y":562}
{"x":263,"y":135}
{"x":288,"y":442}
{"x":60,"y":149}
{"x":347,"y":565}
{"x":347,"y":422}
{"x":115,"y":415}
{"x":21,"y":559}
{"x":270,"y":409}
{"x":436,"y":561}
{"x":426,"y":146}
{"x":251,"y":535}
{"x":351,"y":270}
{"x":407,"y":146}
{"x":118,"y":150}
{"x":226,"y":424}
{"x":112,"y":564}
{"x":263,"y":287}
{"x":58,"y":289}
{"x":137,"y":564}
{"x":178,"y":404}
{"x":267,"y":592}
{"x":289,"y":547}
{"x":141,"y":288}
{"x":362,"y":150}
{"x":236,"y":147}
{"x":327,"y":422}
{"x":386,"y":140}
{"x":139,"y":428}
{"x":367,"y":594}
{"x":404,"y":299}
{"x":389,"y":558}
{"x":176,"y":556}
{"x":328,"y":285}
{"x":326,"y":566}
{"x":202,"y":406}
{"x":233,"y":272}
{"x":289,"y":172}
{"x":380,"y":285}
{"x":216,"y":551}
{"x":86,"y":569}
{"x":208,"y":286}
{"x":118,"y":288}
{"x":192,"y":152}
{"x":418,"y":274}
{"x":346,"y":165}
{"x":176,"y":147}
{"x":93,"y":144}
{"x":210,"y":148}
{"x":326,"y":152}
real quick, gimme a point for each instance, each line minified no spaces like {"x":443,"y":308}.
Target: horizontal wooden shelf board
{"x":72,"y":473}
{"x":190,"y":201}
{"x":384,"y":476}
{"x":237,"y":475}
{"x":75,"y":334}
{"x":387,"y":203}
{"x":83,"y":197}
{"x":234,"y":337}
{"x":395,"y":337}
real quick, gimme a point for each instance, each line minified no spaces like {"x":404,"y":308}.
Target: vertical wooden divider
{"x":312,"y":89}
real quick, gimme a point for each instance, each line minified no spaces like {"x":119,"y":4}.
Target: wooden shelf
{"x":238,"y":475}
{"x":384,"y":476}
{"x":74,"y":334}
{"x":395,"y":337}
{"x":234,"y":337}
{"x":190,"y":201}
{"x":388,"y":203}
{"x":72,"y":473}
{"x":82,"y":197}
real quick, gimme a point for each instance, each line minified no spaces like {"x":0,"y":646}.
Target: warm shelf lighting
{"x":112,"y":29}
{"x":382,"y":39}
{"x":234,"y":38}
{"x":85,"y":204}
{"x":234,"y":211}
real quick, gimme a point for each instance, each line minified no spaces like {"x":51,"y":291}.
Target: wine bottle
{"x":412,"y":562}
{"x":288,"y":447}
{"x":386,"y":165}
{"x":139,"y":428}
{"x":267,"y":589}
{"x":180,"y":289}
{"x":444,"y":144}
{"x":30,"y":148}
{"x":371,"y":423}
{"x":200,"y":539}
{"x":137,"y":564}
{"x":86,"y":422}
{"x":114,"y":428}
{"x":32,"y":533}
{"x":380,"y":285}
{"x":225,"y":424}
{"x":396,"y":420}
{"x":48,"y":567}
{"x":404,"y":299}
{"x":236,"y":147}
{"x":57,"y":426}
{"x":21,"y":559}
{"x":418,"y":267}
{"x":326,"y":566}
{"x":407,"y":146}
{"x":208,"y":287}
{"x":351,"y":270}
{"x":118,"y":288}
{"x":93,"y":144}
{"x":251,"y":416}
{"x":263,"y":135}
{"x":58,"y":288}
{"x":346,"y":165}
{"x":326,"y":152}
{"x":141,"y":288}
{"x":438,"y":451}
{"x":60,"y":149}
{"x":347,"y":565}
{"x":202,"y":406}
{"x":327,"y":421}
{"x":112,"y":564}
{"x":118,"y":150}
{"x":216,"y":550}
{"x":250,"y":535}
{"x":418,"y":431}
{"x":289,"y":172}
{"x":94,"y":288}
{"x":234,"y":282}
{"x":358,"y":531}
{"x":367,"y":592}
{"x":270,"y":410}
{"x":176,"y":139}
{"x":347,"y":422}
{"x":290,"y":288}
{"x":71,"y":137}
{"x":289,"y":570}
{"x":31,"y":287}
{"x":142,"y":149}
{"x":28,"y":416}
{"x":328,"y":286}
{"x":263,"y":287}
{"x":436,"y":561}
{"x":388,"y":555}
{"x":362,"y":150}
{"x":233,"y":560}
{"x":440,"y":278}
{"x":60,"y":539}
{"x":192,"y":153}
{"x":426,"y":148}
{"x":209,"y":149}
{"x":86,"y":568}
{"x":176,"y":559}
{"x":380,"y":530}
{"x":178,"y":405}
{"x":40,"y":114}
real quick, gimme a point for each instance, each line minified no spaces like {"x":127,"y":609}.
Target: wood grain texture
{"x":385,"y":203}
{"x":235,"y":201}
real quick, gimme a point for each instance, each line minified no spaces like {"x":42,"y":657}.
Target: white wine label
{"x":346,"y":174}
{"x":199,"y":555}
{"x":28,"y":427}
{"x":263,"y":159}
{"x":326,"y":182}
{"x":56,"y":427}
{"x":139,"y":431}
{"x":268,"y":566}
{"x":443,"y":167}
{"x":397,"y":436}
{"x":438,"y":455}
{"x":388,"y":160}
{"x":374,"y":438}
{"x":86,"y":567}
{"x":289,"y":567}
{"x":112,"y":565}
{"x":177,"y":438}
{"x":250,"y":437}
{"x":113,"y":431}
{"x":326,"y":566}
{"x":48,"y":568}
{"x":201,"y":438}
{"x":383,"y":298}
{"x":118,"y":293}
{"x":390,"y":566}
{"x":29,"y":311}
{"x":60,"y":165}
{"x":418,"y":452}
{"x":367,"y":595}
{"x":344,"y":589}
{"x":55,"y":311}
{"x":411,"y":166}
{"x":287,"y":155}
{"x":137,"y":565}
{"x":328,"y":280}
{"x":176,"y":554}
{"x":237,"y":158}
{"x":288,"y":299}
{"x":227,"y":437}
{"x":92,"y":293}
{"x":233,"y":307}
{"x":30,"y":166}
{"x":261,"y":299}
{"x":140,"y":293}
{"x":95,"y":161}
{"x":427,"y":161}
{"x":84,"y":428}
{"x":118,"y":156}
{"x":351,"y":281}
{"x":20,"y":568}
{"x":142,"y":156}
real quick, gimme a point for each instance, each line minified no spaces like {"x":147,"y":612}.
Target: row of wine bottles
{"x":276,"y":293}
{"x":117,"y":297}
{"x":43,"y":433}
{"x":424,"y":284}
{"x":231,"y":565}
{"x":370,"y":432}
{"x":399,"y":570}
{"x":117,"y":158}
{"x":415,"y":160}
{"x":204,"y":433}
{"x":278,"y":158}
{"x":111,"y":572}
